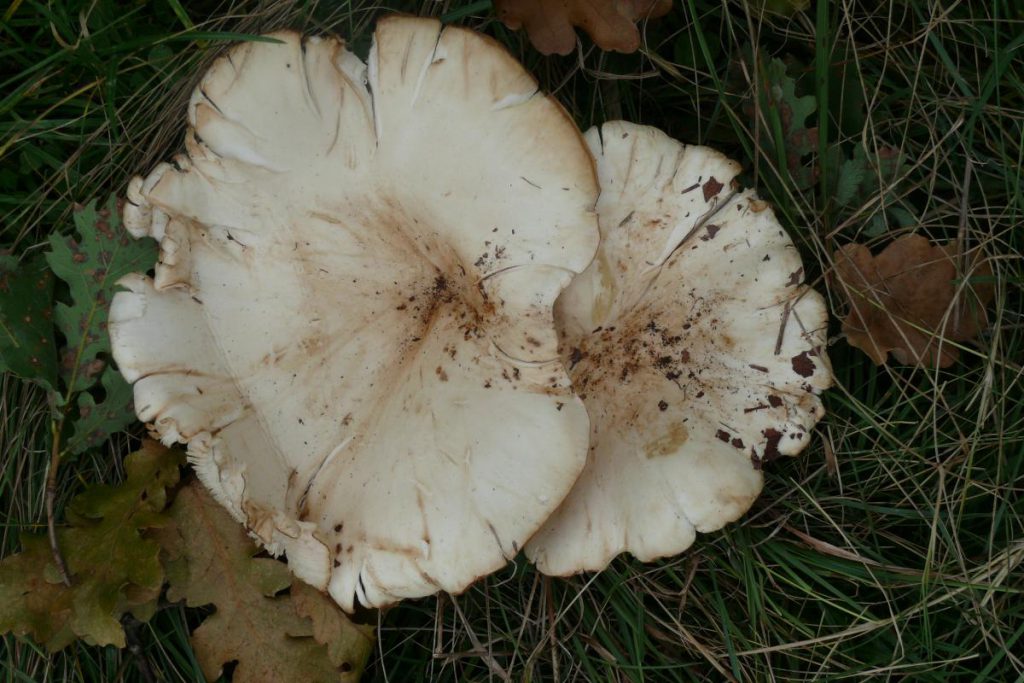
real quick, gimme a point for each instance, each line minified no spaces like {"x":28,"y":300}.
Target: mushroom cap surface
{"x":695,"y":346}
{"x":351,"y":320}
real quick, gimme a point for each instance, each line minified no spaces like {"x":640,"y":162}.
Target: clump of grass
{"x":891,"y":548}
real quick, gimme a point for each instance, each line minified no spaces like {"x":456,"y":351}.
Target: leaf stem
{"x":51,"y":496}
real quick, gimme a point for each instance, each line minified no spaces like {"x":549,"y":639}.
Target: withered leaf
{"x":210,"y":561}
{"x":113,"y":568}
{"x":907,"y":300}
{"x":348,"y":644}
{"x":30,"y":604}
{"x":611,"y":24}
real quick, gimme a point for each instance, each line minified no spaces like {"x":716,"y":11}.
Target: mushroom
{"x":695,"y":346}
{"x":351,"y":321}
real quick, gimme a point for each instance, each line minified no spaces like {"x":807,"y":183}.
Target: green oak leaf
{"x":91,"y":264}
{"x":97,"y":421}
{"x":783,"y":117}
{"x":26,"y":320}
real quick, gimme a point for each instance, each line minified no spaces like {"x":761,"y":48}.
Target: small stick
{"x":782,"y":329}
{"x":550,"y":600}
{"x":51,"y":496}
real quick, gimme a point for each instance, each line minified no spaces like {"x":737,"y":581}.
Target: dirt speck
{"x":771,"y":449}
{"x":803,"y":365}
{"x":711,"y":188}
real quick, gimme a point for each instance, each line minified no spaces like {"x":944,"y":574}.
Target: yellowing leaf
{"x":609,"y":23}
{"x":29,"y":604}
{"x":212,"y":563}
{"x":906,"y":301}
{"x":113,"y":569}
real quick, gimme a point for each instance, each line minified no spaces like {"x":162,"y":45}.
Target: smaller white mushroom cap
{"x":351,"y":320}
{"x":695,"y":346}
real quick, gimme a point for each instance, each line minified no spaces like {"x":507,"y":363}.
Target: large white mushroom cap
{"x":695,"y":346}
{"x":351,"y":321}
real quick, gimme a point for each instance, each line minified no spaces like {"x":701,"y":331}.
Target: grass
{"x":892,"y":548}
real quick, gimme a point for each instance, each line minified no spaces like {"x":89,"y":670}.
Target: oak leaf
{"x":783,"y":116}
{"x":611,"y":24}
{"x":26,"y":320}
{"x":91,"y":264}
{"x":97,"y":421}
{"x":332,"y":628}
{"x":211,"y":561}
{"x":907,"y":300}
{"x":114,"y":569}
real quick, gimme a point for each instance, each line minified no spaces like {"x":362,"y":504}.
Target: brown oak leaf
{"x":274,"y":628}
{"x":611,"y":24}
{"x":909,"y":300}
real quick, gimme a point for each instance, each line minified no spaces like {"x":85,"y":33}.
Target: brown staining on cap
{"x":774,"y":401}
{"x":668,"y":443}
{"x":441,"y":374}
{"x":803,"y":365}
{"x":796,"y":277}
{"x":711,"y":188}
{"x":662,"y":405}
{"x":722,"y":435}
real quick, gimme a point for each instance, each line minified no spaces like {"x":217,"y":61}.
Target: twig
{"x":51,"y":496}
{"x":549,"y":599}
{"x":782,"y":329}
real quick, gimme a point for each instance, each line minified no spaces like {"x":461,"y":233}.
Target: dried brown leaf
{"x":332,"y":628}
{"x":257,"y":624}
{"x":611,"y":24}
{"x":907,"y":301}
